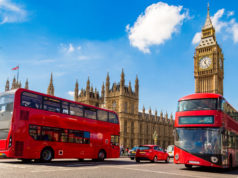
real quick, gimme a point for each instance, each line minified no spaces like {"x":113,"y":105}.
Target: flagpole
{"x":18,"y":73}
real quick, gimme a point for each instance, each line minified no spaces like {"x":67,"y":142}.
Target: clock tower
{"x":208,"y":61}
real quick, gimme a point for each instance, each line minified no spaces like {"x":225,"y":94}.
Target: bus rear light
{"x":10,"y":142}
{"x":214,"y":159}
{"x":176,"y":157}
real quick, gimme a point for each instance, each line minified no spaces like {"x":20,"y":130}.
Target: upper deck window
{"x":198,"y":104}
{"x":51,"y":104}
{"x":31,"y":100}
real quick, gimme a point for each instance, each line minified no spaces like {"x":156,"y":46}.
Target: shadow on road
{"x":77,"y":163}
{"x":213,"y":170}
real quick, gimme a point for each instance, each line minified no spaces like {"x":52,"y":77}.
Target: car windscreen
{"x":144,"y":148}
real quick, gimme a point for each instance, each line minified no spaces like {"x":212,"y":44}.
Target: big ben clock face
{"x":205,"y":62}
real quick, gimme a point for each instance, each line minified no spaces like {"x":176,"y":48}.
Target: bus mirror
{"x":173,"y":132}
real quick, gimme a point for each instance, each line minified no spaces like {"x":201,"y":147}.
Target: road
{"x":111,"y":168}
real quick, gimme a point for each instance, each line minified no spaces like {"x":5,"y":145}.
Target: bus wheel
{"x":101,"y":155}
{"x":81,"y":160}
{"x":26,"y":160}
{"x":167,"y":159}
{"x":188,"y":166}
{"x":46,"y":155}
{"x":137,"y":160}
{"x":230,"y":163}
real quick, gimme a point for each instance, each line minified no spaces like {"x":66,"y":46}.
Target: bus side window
{"x":64,"y":135}
{"x":115,"y":140}
{"x":90,"y":113}
{"x":31,"y":100}
{"x":65,"y":107}
{"x":76,"y":110}
{"x":102,"y":115}
{"x":113,"y":118}
{"x":51,"y":104}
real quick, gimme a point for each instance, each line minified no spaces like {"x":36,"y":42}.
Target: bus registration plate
{"x":194,"y":162}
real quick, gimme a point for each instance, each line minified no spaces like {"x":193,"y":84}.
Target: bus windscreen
{"x":198,"y":104}
{"x":6,"y":109}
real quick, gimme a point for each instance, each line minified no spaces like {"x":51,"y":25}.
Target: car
{"x":132,"y":153}
{"x":170,"y":151}
{"x":152,"y":153}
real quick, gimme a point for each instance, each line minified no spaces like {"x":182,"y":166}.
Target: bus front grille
{"x":19,"y":148}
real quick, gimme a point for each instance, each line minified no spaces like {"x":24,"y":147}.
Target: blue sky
{"x":152,"y":39}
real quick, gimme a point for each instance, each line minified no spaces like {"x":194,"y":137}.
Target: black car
{"x":132,"y":153}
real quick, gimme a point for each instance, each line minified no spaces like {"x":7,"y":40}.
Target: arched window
{"x":132,"y":127}
{"x":125,"y":107}
{"x":132,"y":107}
{"x":114,"y":105}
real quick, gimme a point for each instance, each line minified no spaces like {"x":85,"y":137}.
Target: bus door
{"x":114,"y":146}
{"x":236,"y":149}
{"x":225,"y":152}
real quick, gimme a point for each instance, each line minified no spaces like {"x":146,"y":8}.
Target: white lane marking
{"x":66,"y":169}
{"x":159,"y":172}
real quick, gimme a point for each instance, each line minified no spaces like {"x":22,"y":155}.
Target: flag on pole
{"x":15,"y":68}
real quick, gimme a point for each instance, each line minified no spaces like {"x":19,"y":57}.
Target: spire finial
{"x":208,"y":23}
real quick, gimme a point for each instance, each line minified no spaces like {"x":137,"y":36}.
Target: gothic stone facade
{"x":136,"y":127}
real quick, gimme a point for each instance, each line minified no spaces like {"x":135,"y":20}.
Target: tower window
{"x":125,"y":107}
{"x":114,"y":105}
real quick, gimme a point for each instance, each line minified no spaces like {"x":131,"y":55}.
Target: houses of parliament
{"x":138,"y":127}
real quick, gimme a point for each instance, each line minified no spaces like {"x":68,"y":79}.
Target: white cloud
{"x":230,"y":13}
{"x":67,"y":49}
{"x":79,"y":48}
{"x":217,"y":23}
{"x":155,"y":26}
{"x":234,"y":30}
{"x":11,"y":12}
{"x":197,"y":38}
{"x":70,"y":49}
{"x":71,"y":93}
{"x":229,"y":26}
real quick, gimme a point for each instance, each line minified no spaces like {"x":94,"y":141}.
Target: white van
{"x":170,"y":151}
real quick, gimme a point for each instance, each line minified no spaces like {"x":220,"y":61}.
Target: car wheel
{"x":46,"y":155}
{"x":188,"y":166}
{"x":137,"y":160}
{"x":155,"y":159}
{"x":132,"y":158}
{"x":167,"y":159}
{"x":230,"y":164}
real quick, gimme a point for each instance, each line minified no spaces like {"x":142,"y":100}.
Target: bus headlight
{"x":10,"y":142}
{"x":176,"y":157}
{"x":214,"y":159}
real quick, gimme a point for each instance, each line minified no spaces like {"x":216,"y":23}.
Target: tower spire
{"x":122,"y":78}
{"x":7,"y":87}
{"x":27,"y":84}
{"x":51,"y":90}
{"x":208,"y":22}
{"x":76,"y":91}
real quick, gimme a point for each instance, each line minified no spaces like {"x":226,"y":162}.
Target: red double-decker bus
{"x":42,"y":127}
{"x":206,"y":132}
